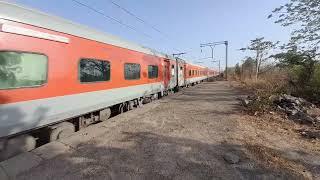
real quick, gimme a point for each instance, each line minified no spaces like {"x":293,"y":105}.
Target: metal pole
{"x":219,"y":67}
{"x":212,"y":56}
{"x":226,"y":43}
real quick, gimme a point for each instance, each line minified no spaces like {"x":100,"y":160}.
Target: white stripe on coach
{"x":33,"y":33}
{"x":22,"y":116}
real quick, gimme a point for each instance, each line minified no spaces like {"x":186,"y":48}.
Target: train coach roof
{"x":14,"y":12}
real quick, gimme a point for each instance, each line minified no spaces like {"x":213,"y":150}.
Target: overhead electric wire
{"x":142,"y":21}
{"x":111,"y":18}
{"x":135,"y":16}
{"x":126,"y":25}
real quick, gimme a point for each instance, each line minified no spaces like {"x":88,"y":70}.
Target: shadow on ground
{"x":146,"y":155}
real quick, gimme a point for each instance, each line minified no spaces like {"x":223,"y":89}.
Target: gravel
{"x":184,"y":136}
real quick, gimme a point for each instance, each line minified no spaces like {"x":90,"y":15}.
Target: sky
{"x":184,"y":24}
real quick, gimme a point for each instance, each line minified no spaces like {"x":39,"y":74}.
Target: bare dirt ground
{"x":186,"y":136}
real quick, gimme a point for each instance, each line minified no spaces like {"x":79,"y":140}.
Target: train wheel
{"x":131,"y":105}
{"x":140,"y":102}
{"x":121,"y":108}
{"x":105,"y":114}
{"x":17,"y":145}
{"x":126,"y":106}
{"x":61,"y":130}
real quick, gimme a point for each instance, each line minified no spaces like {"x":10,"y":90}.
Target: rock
{"x":303,"y":118}
{"x":310,"y":134}
{"x":245,"y":102}
{"x":314,"y":112}
{"x":274,"y":99}
{"x":280,"y":108}
{"x":307,"y":119}
{"x":298,"y":102}
{"x":289,"y":98}
{"x":231,"y":158}
{"x":293,"y":112}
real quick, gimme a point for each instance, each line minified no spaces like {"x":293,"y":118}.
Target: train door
{"x":185,"y":73}
{"x":181,"y":73}
{"x":166,"y":74}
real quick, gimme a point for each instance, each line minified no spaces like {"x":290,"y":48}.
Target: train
{"x":57,"y":77}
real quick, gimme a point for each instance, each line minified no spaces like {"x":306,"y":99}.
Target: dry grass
{"x":266,"y":86}
{"x":270,"y":137}
{"x":272,"y":159}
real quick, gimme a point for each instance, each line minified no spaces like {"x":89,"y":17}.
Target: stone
{"x":246,"y":101}
{"x":293,"y":112}
{"x":306,"y":118}
{"x":310,"y":134}
{"x":290,"y":98}
{"x":231,"y":158}
{"x":314,"y":112}
{"x":274,"y":98}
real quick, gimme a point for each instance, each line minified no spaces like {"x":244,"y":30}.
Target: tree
{"x":294,"y":58}
{"x":261,"y":49}
{"x":248,"y":67}
{"x":304,"y":14}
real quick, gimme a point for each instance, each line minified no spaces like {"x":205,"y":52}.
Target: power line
{"x":143,"y":21}
{"x":124,"y":24}
{"x":135,"y":16}
{"x":112,"y":18}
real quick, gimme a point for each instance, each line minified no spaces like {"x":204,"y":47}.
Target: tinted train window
{"x":152,"y":72}
{"x":172,"y":70}
{"x":131,"y":71}
{"x":19,"y":69}
{"x":93,"y":70}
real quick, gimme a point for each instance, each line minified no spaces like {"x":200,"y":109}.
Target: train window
{"x":131,"y":71}
{"x":93,"y":70}
{"x":21,"y":69}
{"x":190,"y":73}
{"x":152,"y":72}
{"x":172,"y":70}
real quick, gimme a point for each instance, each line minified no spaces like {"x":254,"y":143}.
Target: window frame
{"x":173,"y":73}
{"x":157,"y":72}
{"x":92,"y":81}
{"x":30,"y":52}
{"x":124,"y":71}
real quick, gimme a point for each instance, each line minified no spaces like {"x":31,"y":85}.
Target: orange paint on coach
{"x":63,"y":62}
